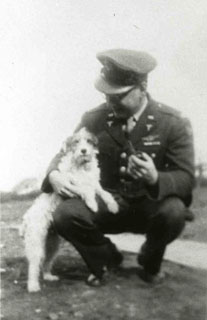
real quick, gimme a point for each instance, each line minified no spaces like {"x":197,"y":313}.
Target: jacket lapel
{"x":146,"y":123}
{"x":114,"y":129}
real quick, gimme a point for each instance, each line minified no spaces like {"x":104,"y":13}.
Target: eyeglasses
{"x":119,"y":96}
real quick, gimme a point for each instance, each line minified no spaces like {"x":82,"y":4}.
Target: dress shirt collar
{"x":138,"y":114}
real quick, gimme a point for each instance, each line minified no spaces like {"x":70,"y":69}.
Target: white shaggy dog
{"x":80,"y":165}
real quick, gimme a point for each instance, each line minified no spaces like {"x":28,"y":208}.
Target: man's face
{"x":126,"y":104}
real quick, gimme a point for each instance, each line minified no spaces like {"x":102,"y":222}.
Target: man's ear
{"x":144,"y":86}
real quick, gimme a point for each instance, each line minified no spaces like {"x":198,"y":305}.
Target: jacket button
{"x":124,"y":128}
{"x":123,"y":181}
{"x":123,"y":169}
{"x":153,"y":155}
{"x":123,"y":155}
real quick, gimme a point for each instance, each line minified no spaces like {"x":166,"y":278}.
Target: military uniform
{"x":158,"y":210}
{"x":161,"y":132}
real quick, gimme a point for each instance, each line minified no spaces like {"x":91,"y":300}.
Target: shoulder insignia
{"x":187,"y":125}
{"x":168,"y":110}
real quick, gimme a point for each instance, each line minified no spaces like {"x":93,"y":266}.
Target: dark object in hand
{"x":132,"y":150}
{"x":139,"y":155}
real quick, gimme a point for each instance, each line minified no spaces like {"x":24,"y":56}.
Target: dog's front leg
{"x":86,"y":194}
{"x":90,"y":200}
{"x":109,"y":200}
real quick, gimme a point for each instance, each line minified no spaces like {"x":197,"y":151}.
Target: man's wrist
{"x":53,"y":175}
{"x":154,"y":179}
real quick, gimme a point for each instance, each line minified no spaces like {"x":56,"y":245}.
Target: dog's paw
{"x":33,"y":287}
{"x":113,"y":207}
{"x":93,"y":206}
{"x":50,"y":277}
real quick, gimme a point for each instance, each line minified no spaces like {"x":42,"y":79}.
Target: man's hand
{"x":62,"y":185}
{"x":143,"y":168}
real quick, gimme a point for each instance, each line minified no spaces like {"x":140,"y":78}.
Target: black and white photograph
{"x":104,"y":159}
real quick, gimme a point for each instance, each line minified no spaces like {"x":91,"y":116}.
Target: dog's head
{"x":83,"y":146}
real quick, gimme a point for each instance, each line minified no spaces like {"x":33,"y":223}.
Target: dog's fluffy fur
{"x":79,"y":164}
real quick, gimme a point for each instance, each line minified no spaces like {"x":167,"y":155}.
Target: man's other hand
{"x":143,"y":168}
{"x":62,"y":185}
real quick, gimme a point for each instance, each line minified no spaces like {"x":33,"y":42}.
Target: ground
{"x":180,"y":297}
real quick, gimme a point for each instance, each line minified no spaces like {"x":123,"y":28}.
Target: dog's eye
{"x":90,"y":141}
{"x":75,"y":141}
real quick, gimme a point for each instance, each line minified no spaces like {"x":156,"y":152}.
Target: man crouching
{"x":146,"y":160}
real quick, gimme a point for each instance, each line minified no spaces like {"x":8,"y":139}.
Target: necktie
{"x":131,"y":123}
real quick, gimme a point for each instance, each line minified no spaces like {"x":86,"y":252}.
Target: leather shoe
{"x":151,"y":278}
{"x":94,"y":281}
{"x":141,"y":255}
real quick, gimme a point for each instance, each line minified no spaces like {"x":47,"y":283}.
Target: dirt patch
{"x":196,"y":230}
{"x":125,"y":296}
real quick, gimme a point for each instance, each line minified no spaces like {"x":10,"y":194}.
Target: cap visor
{"x":103,"y":86}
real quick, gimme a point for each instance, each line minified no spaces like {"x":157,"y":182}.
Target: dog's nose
{"x":83,"y":151}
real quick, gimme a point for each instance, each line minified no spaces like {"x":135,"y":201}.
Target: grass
{"x":180,"y":297}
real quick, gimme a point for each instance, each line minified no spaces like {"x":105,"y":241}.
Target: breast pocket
{"x":107,"y":155}
{"x":155,"y":151}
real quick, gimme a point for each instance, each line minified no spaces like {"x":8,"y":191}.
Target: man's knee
{"x":68,"y":211}
{"x":172,"y":212}
{"x":170,"y":219}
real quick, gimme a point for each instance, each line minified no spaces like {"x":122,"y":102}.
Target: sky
{"x":48,"y":66}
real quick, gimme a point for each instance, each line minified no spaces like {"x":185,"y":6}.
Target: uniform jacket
{"x":161,"y":132}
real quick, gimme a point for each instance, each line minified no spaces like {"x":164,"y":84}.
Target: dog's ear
{"x":95,"y":143}
{"x":66,"y":145}
{"x":94,"y":139}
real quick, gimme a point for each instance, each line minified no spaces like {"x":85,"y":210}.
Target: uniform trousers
{"x":161,"y":221}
